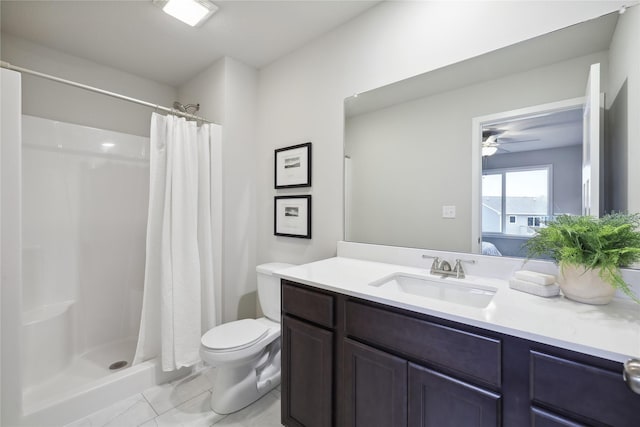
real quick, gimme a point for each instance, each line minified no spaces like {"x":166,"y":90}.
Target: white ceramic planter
{"x":586,"y":286}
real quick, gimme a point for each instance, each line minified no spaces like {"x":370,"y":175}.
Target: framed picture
{"x":292,"y":216}
{"x":293,"y":166}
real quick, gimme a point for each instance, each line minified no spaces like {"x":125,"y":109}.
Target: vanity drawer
{"x":471,"y":355}
{"x":307,"y":304}
{"x":540,"y":418}
{"x":586,"y":392}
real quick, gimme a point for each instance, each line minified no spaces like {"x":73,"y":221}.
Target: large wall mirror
{"x":474,"y":156}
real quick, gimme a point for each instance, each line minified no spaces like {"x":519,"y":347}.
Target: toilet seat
{"x":235,"y":335}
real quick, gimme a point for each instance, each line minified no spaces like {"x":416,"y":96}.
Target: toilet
{"x":246,"y":353}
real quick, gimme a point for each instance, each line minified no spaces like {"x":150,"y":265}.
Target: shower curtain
{"x":179,"y":300}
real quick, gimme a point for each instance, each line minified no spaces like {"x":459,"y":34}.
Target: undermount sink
{"x":444,"y":289}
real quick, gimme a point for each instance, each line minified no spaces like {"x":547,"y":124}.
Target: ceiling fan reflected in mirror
{"x":494,"y":140}
{"x":489,"y":146}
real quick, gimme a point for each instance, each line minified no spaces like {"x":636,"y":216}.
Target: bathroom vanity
{"x":354,"y":353}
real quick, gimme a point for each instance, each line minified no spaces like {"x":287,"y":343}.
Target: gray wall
{"x":56,"y":101}
{"x":227,"y":91}
{"x":301,"y":94}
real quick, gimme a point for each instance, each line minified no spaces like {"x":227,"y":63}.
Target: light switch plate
{"x":448,"y":211}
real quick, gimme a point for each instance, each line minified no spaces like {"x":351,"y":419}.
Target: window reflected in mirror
{"x":515,"y":201}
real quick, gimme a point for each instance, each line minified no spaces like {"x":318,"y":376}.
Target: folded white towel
{"x":534,"y":288}
{"x":535,"y":277}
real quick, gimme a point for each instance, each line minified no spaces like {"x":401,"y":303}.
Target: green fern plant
{"x":608,"y":243}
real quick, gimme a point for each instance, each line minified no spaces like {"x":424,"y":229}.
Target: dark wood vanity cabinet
{"x":350,"y":362}
{"x":412,"y":361}
{"x":381,"y":389}
{"x":308,"y":355}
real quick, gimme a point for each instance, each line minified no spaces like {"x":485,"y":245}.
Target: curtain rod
{"x":8,"y":66}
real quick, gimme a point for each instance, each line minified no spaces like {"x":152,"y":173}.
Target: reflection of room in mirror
{"x":534,"y":173}
{"x":409,"y":145}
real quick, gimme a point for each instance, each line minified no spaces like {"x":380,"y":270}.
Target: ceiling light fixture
{"x":490,"y":146}
{"x":191,"y":12}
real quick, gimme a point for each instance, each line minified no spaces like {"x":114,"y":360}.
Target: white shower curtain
{"x":179,"y":301}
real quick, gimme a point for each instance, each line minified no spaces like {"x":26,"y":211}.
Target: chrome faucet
{"x":444,"y":268}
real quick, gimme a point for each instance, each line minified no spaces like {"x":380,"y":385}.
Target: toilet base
{"x":237,"y":386}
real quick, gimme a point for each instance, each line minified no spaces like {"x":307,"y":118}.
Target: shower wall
{"x":10,"y":259}
{"x":85,"y":198}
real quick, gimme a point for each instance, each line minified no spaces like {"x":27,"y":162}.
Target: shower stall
{"x":74,"y":216}
{"x":84,"y":193}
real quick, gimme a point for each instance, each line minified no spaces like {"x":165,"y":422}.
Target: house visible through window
{"x":515,"y":200}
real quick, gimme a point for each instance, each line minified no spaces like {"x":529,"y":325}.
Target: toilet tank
{"x":269,"y":289}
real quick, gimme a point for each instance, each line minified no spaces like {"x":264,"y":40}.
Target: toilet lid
{"x":237,"y":334}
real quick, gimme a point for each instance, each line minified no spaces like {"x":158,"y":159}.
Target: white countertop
{"x":611,"y":331}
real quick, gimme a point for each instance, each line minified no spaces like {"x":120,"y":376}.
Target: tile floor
{"x":184,"y":402}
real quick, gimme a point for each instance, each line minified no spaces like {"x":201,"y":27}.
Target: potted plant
{"x":590,"y":252}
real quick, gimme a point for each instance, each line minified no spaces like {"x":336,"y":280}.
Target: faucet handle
{"x":436,"y":262}
{"x":458,"y":267}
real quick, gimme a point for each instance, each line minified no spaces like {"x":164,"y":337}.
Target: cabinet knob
{"x":631,"y":374}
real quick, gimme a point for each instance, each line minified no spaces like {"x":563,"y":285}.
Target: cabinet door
{"x":437,"y":400}
{"x":375,"y":387}
{"x":307,"y":374}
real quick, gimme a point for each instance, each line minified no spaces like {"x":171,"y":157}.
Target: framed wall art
{"x":293,"y":166}
{"x":292,"y":216}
